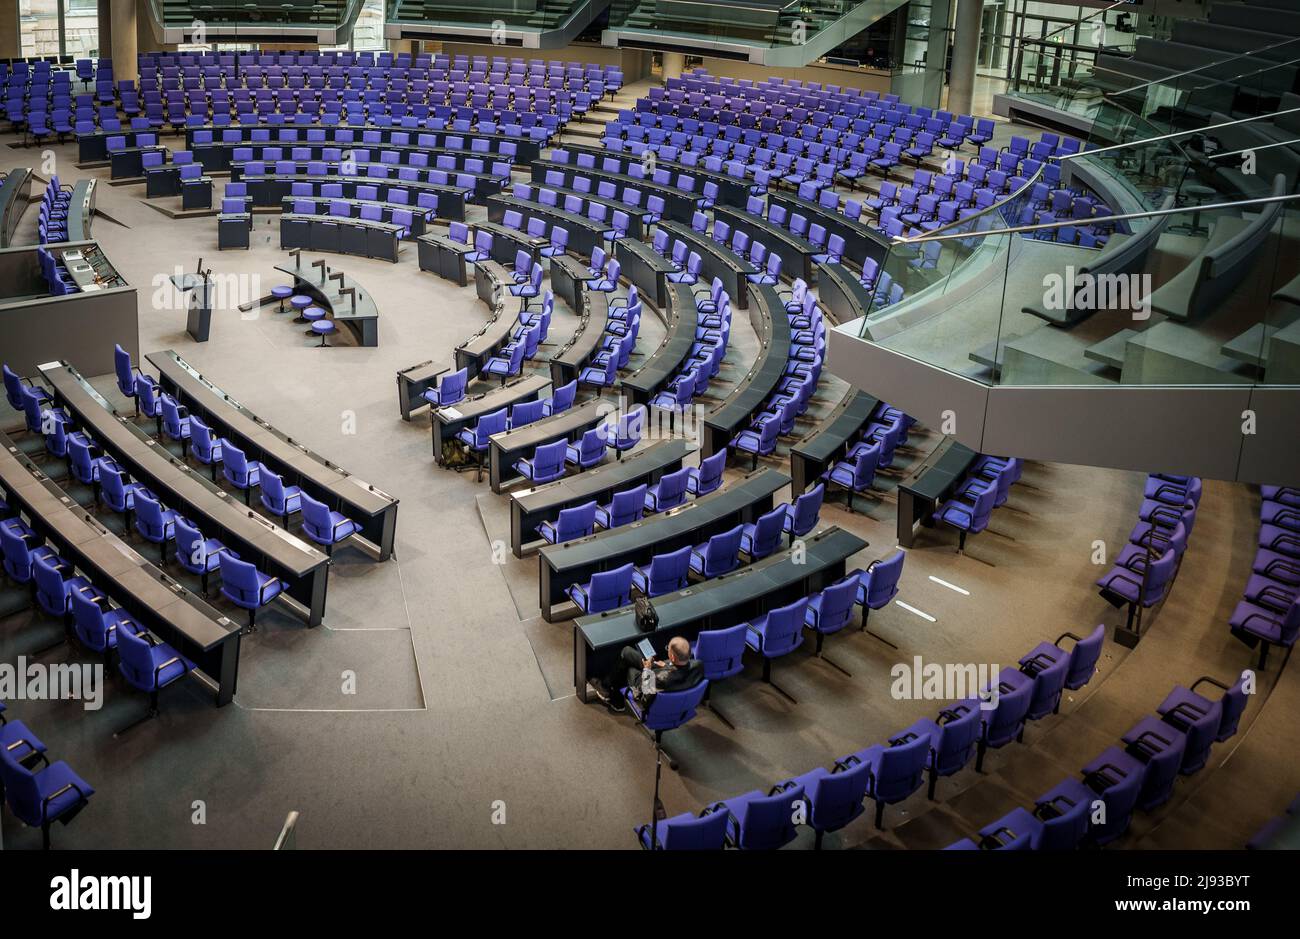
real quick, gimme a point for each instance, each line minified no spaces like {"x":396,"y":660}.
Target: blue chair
{"x":626,"y":507}
{"x":1005,"y":722}
{"x":1047,"y":685}
{"x":95,"y":623}
{"x":763,"y":821}
{"x":758,"y":442}
{"x":55,"y":582}
{"x":686,"y":832}
{"x":149,"y":665}
{"x":19,"y":558}
{"x":247,"y":587}
{"x":19,"y":742}
{"x":240,"y":472}
{"x":197,"y":554}
{"x":831,"y":610}
{"x":525,"y":413}
{"x":506,"y":366}
{"x":119,"y":495}
{"x":952,"y":740}
{"x":626,"y":432}
{"x":721,"y":654}
{"x":476,"y":438}
{"x":666,"y":710}
{"x":278,"y":498}
{"x":855,"y":475}
{"x":719,"y":555}
{"x":449,"y":390}
{"x":708,"y":476}
{"x":589,"y":452}
{"x":126,"y":374}
{"x":175,"y":422}
{"x":834,"y":796}
{"x":148,"y":398}
{"x":776,"y":633}
{"x":1201,"y":725}
{"x":760,"y":538}
{"x":1230,"y":706}
{"x":154,"y":522}
{"x":576,"y":522}
{"x":1161,"y":747}
{"x":16,"y":385}
{"x":40,"y":797}
{"x":1082,"y":658}
{"x":607,"y":590}
{"x":669,"y":492}
{"x":1116,"y":777}
{"x":878,"y":585}
{"x":546,"y":463}
{"x":204,"y":447}
{"x":324,"y":526}
{"x":968,"y":516}
{"x":894,"y":771}
{"x":1057,"y":823}
{"x":1255,"y":624}
{"x":561,"y":399}
{"x":802,"y":516}
{"x":666,"y":573}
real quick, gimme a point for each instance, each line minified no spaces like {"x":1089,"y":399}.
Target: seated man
{"x":677,"y":674}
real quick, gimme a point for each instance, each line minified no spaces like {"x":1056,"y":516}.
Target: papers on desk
{"x":451,"y":413}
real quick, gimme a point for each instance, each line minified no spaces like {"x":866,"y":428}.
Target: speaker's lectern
{"x":199,"y":287}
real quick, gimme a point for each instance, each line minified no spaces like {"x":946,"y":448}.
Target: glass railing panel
{"x":514,"y":14}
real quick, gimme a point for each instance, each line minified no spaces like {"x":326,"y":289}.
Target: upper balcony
{"x":324,"y":22}
{"x":525,"y":24}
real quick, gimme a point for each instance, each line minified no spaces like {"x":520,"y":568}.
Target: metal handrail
{"x":1178,"y":133}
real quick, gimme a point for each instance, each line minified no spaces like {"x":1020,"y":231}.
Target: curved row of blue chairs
{"x":1145,"y":569}
{"x":38,"y":792}
{"x":1269,"y":612}
{"x":671,"y":571}
{"x":828,"y":799}
{"x":1098,"y":808}
{"x":52,"y":224}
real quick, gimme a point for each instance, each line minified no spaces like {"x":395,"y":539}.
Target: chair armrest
{"x":158,"y":670}
{"x":1211,"y":680}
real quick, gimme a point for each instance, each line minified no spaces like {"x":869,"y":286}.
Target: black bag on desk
{"x":647,"y":619}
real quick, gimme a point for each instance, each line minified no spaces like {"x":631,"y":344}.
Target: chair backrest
{"x":784,"y":628}
{"x":610,"y":589}
{"x":672,"y":488}
{"x":564,"y":397}
{"x":722,"y":552}
{"x":1084,"y":657}
{"x":1048,"y":684}
{"x":576,"y":522}
{"x":806,"y":510}
{"x":125,"y":373}
{"x":668,"y":572}
{"x":627,"y":506}
{"x":705,"y":832}
{"x":672,"y":709}
{"x":837,"y":604}
{"x":1005,"y":721}
{"x":720,"y":651}
{"x":88,"y":621}
{"x":767,"y":532}
{"x":1063,"y":832}
{"x":837,"y":797}
{"x":1232,"y":705}
{"x":958,"y":737}
{"x":881,"y":579}
{"x":768,"y":822}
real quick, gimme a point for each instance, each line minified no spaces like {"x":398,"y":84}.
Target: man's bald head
{"x":679,"y":650}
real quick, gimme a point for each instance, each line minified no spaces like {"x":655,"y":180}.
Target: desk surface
{"x":938,"y":471}
{"x":549,"y":429}
{"x":679,"y":338}
{"x":605,"y":478}
{"x":767,"y":314}
{"x":837,"y":427}
{"x":279,"y":450}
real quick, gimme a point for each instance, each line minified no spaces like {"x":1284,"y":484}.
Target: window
{"x":81,"y":28}
{"x":39,"y":27}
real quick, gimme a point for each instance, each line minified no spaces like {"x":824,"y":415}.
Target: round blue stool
{"x":312,"y":315}
{"x":282,"y":294}
{"x":299,"y":303}
{"x":323,"y":328}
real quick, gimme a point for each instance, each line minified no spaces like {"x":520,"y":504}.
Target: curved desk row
{"x":577,"y":353}
{"x":796,"y":253}
{"x":774,"y":581}
{"x":269,"y":190}
{"x":511,"y":445}
{"x":490,"y":279}
{"x":484,"y":184}
{"x":678,"y":203}
{"x":345,"y":302}
{"x":829,"y":441}
{"x":647,"y":268}
{"x":731,"y":191}
{"x":353,"y":135}
{"x":715,"y":261}
{"x":695,"y":522}
{"x":842,"y":293}
{"x":219,"y":156}
{"x":772,"y":326}
{"x":636,"y":223}
{"x":449,"y":421}
{"x":682,"y":320}
{"x":584,"y":234}
{"x":530,"y":507}
{"x":321,"y":206}
{"x":15,"y":195}
{"x":160,"y":604}
{"x":374,"y":511}
{"x":861,"y":241}
{"x":304,"y":570}
{"x":337,"y":235}
{"x":93,"y":147}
